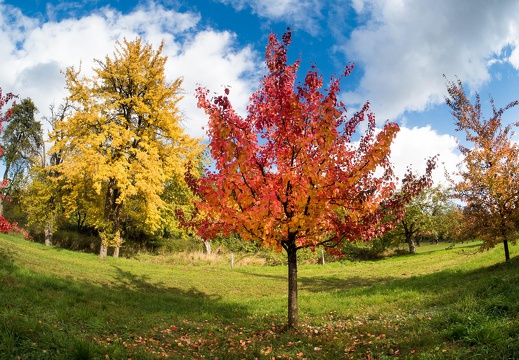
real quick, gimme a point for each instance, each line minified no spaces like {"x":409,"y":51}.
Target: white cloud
{"x":358,"y":5}
{"x":405,"y":47}
{"x":34,"y":53}
{"x":300,"y":14}
{"x":211,"y":60}
{"x":413,"y":146}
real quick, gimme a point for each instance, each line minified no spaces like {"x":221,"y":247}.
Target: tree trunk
{"x":112,"y":214}
{"x":4,"y":185}
{"x":410,"y":242}
{"x":48,"y":233}
{"x":507,"y":253}
{"x":408,"y":233}
{"x":49,"y":228}
{"x":293,"y":317}
{"x":103,"y":252}
{"x":207,"y":244}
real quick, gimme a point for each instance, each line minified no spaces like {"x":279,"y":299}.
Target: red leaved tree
{"x":5,"y":226}
{"x":290,"y":176}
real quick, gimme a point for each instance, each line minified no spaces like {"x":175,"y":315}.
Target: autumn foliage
{"x":5,"y":225}
{"x":123,"y":143}
{"x":4,"y":116}
{"x":293,"y":173}
{"x":489,"y":173}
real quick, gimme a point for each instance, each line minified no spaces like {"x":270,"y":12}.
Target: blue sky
{"x":401,"y":50}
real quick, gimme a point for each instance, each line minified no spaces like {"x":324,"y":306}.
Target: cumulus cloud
{"x":405,"y":47}
{"x":413,"y":146}
{"x":211,"y":60}
{"x":35,"y":53}
{"x":301,"y":14}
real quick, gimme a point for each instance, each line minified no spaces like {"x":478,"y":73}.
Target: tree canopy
{"x":5,"y":101}
{"x":425,"y":215}
{"x":22,"y":141}
{"x":290,"y":175}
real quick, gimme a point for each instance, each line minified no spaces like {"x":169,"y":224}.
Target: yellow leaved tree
{"x":123,"y":143}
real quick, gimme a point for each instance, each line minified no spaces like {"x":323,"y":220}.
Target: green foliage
{"x":234,"y":243}
{"x":73,"y":240}
{"x":22,"y":141}
{"x":374,"y":250}
{"x":162,"y":245}
{"x":431,"y":215}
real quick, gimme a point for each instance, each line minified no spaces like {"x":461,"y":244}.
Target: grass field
{"x":438,"y":304}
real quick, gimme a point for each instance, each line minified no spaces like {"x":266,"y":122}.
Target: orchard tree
{"x":423,"y":216}
{"x":291,"y":175}
{"x":22,"y":141}
{"x":5,"y":100}
{"x":42,"y":200}
{"x":452,"y":220}
{"x":123,"y":142}
{"x":489,"y":173}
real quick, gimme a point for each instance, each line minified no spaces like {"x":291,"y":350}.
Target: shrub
{"x":73,"y":240}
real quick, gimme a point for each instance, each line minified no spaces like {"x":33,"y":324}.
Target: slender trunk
{"x":48,"y":232}
{"x":4,"y":188}
{"x":507,"y":253}
{"x":103,"y":252}
{"x":5,"y":183}
{"x":293,"y":317}
{"x":116,"y":251}
{"x":207,"y":244}
{"x":410,"y":242}
{"x":6,"y":171}
{"x":408,"y":233}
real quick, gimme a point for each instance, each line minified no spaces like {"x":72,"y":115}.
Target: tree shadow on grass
{"x":6,"y":259}
{"x":435,"y":289}
{"x":449,"y":284}
{"x":316,"y":284}
{"x":57,"y":311}
{"x":138,"y":291}
{"x":131,"y":294}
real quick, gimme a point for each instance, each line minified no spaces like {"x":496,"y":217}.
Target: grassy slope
{"x":437,"y":304}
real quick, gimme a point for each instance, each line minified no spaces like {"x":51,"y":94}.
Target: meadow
{"x":442,"y":303}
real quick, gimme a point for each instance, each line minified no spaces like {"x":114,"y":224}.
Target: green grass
{"x":444,"y":304}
